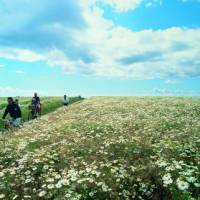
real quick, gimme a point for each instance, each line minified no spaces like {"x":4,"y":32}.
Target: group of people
{"x":14,"y":109}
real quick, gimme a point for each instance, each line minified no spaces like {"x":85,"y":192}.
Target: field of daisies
{"x":106,"y":148}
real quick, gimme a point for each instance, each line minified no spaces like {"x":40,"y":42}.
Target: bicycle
{"x":35,"y":111}
{"x":11,"y":124}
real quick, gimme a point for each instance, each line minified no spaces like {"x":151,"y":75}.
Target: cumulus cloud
{"x":129,"y":5}
{"x":168,"y":92}
{"x":166,"y":54}
{"x":20,"y":54}
{"x":142,"y":57}
{"x":19,"y":72}
{"x":9,"y":91}
{"x":2,"y":65}
{"x":80,"y":40}
{"x":123,"y":5}
{"x":42,"y":25}
{"x":190,"y":1}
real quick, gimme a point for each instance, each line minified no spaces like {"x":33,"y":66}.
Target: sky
{"x":100,"y":47}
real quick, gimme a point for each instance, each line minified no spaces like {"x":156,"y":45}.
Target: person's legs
{"x":38,"y":109}
{"x":17,"y":122}
{"x":34,"y":112}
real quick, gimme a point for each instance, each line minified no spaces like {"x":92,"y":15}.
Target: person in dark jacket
{"x":15,"y":112}
{"x":37,"y":103}
{"x":37,"y":99}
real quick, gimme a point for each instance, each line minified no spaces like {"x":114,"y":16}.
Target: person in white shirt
{"x":66,"y":100}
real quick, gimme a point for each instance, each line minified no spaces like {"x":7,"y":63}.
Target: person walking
{"x":65,"y":100}
{"x":15,"y":112}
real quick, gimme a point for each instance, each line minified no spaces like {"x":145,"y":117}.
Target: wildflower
{"x":42,"y":193}
{"x":50,"y":186}
{"x":161,"y":163}
{"x":91,"y":194}
{"x":57,"y":176}
{"x":118,"y":180}
{"x":34,"y":168}
{"x":88,"y":169}
{"x":73,"y":178}
{"x":59,"y":185}
{"x":167,"y":180}
{"x":182,"y":185}
{"x":27,"y":173}
{"x":133,"y":169}
{"x":169,"y":168}
{"x":27,"y":197}
{"x":2,"y":196}
{"x":12,"y":172}
{"x":50,"y":180}
{"x":65,"y":182}
{"x":44,"y":185}
{"x":191,"y":179}
{"x":45,"y":167}
{"x":1,"y":174}
{"x":105,"y":187}
{"x":197,"y":185}
{"x":15,"y":197}
{"x":68,"y":195}
{"x":28,"y":180}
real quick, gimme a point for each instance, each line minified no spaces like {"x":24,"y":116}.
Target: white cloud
{"x":128,"y":5}
{"x":149,"y":4}
{"x":9,"y":91}
{"x":20,"y":54}
{"x":104,"y":49}
{"x":167,"y":54}
{"x":171,"y":81}
{"x":184,"y":1}
{"x":2,"y":65}
{"x":168,"y":92}
{"x":19,"y":72}
{"x":123,"y":5}
{"x":153,"y":3}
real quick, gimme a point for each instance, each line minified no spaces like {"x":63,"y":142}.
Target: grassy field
{"x":49,"y":104}
{"x":106,"y":148}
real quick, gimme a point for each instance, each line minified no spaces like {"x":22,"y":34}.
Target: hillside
{"x":106,"y":148}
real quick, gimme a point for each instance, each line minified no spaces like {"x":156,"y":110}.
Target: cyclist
{"x":15,"y":113}
{"x":37,"y":98}
{"x":37,"y":103}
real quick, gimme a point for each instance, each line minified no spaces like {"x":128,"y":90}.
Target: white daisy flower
{"x":182,"y":185}
{"x":42,"y":193}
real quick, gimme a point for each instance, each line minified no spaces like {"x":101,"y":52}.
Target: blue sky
{"x":100,"y":47}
